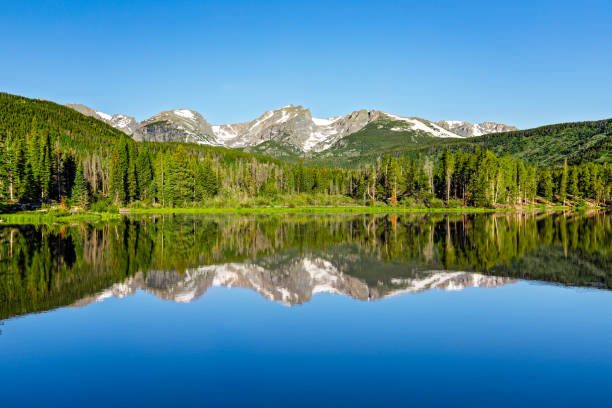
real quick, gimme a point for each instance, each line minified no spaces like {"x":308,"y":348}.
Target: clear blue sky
{"x":522,"y":63}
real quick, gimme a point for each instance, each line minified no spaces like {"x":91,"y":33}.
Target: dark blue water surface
{"x":292,"y":327}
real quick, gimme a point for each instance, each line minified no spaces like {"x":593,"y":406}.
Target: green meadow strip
{"x":38,"y":217}
{"x":34,"y":217}
{"x":310,"y":210}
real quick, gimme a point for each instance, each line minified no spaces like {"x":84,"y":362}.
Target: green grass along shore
{"x":41,"y":217}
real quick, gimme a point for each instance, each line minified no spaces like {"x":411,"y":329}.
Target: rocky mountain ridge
{"x":291,"y":126}
{"x":126,"y":124}
{"x":179,"y":125}
{"x":467,"y":129}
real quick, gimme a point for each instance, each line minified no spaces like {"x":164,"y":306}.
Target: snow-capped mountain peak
{"x":185,"y":113}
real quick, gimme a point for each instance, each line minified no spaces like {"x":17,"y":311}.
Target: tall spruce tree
{"x":116,"y":182}
{"x":80,"y":191}
{"x":563,"y":182}
{"x":572,"y":187}
{"x":45,"y":167}
{"x":448,"y":167}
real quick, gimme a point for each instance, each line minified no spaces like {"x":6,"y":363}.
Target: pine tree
{"x":33,"y":155}
{"x":29,"y":185}
{"x":521,"y":179}
{"x":209,"y":178}
{"x":584,"y":181}
{"x":18,"y":169}
{"x":45,"y":167}
{"x":160,"y":177}
{"x":4,"y":173}
{"x":124,"y":163}
{"x":200,"y":182}
{"x":80,"y":191}
{"x":116,"y":185}
{"x":572,"y":188}
{"x":448,"y":167}
{"x":132,"y":176}
{"x":394,"y":180}
{"x":144,"y":173}
{"x":597,"y":184}
{"x":563,"y":183}
{"x":546,"y":185}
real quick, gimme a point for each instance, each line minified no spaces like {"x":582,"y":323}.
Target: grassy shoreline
{"x":309,"y":210}
{"x":39,"y":217}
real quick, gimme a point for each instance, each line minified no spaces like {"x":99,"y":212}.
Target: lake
{"x":475,"y":310}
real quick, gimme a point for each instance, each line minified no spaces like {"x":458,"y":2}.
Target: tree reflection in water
{"x":289,"y":258}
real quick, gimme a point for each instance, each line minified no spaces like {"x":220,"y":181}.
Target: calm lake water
{"x":487,"y":310}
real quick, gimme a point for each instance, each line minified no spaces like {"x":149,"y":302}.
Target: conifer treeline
{"x":36,"y":167}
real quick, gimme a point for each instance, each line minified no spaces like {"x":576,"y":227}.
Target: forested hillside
{"x":576,"y":142}
{"x":53,"y":154}
{"x":551,"y":145}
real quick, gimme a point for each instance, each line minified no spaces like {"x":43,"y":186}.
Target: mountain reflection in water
{"x":305,"y":278}
{"x":289,"y":259}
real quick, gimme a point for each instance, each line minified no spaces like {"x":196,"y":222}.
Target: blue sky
{"x":521,"y":63}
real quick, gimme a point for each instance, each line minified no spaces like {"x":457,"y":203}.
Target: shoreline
{"x":38,"y":217}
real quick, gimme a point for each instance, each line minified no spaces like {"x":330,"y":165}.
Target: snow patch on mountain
{"x":224,"y":133}
{"x":426,"y":127}
{"x":103,"y":115}
{"x":467,"y":129}
{"x":323,"y":122}
{"x":285,"y":117}
{"x":185,"y":113}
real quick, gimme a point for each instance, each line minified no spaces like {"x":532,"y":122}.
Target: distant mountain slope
{"x":467,"y":129}
{"x":388,"y":133}
{"x":126,"y":124}
{"x":544,"y":146}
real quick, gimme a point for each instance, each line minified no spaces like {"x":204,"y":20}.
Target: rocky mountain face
{"x":467,"y":129}
{"x":126,"y":124}
{"x":293,"y":126}
{"x":290,"y":126}
{"x":179,"y":125}
{"x":293,"y":283}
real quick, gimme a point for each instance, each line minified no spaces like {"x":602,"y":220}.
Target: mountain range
{"x":292,"y":127}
